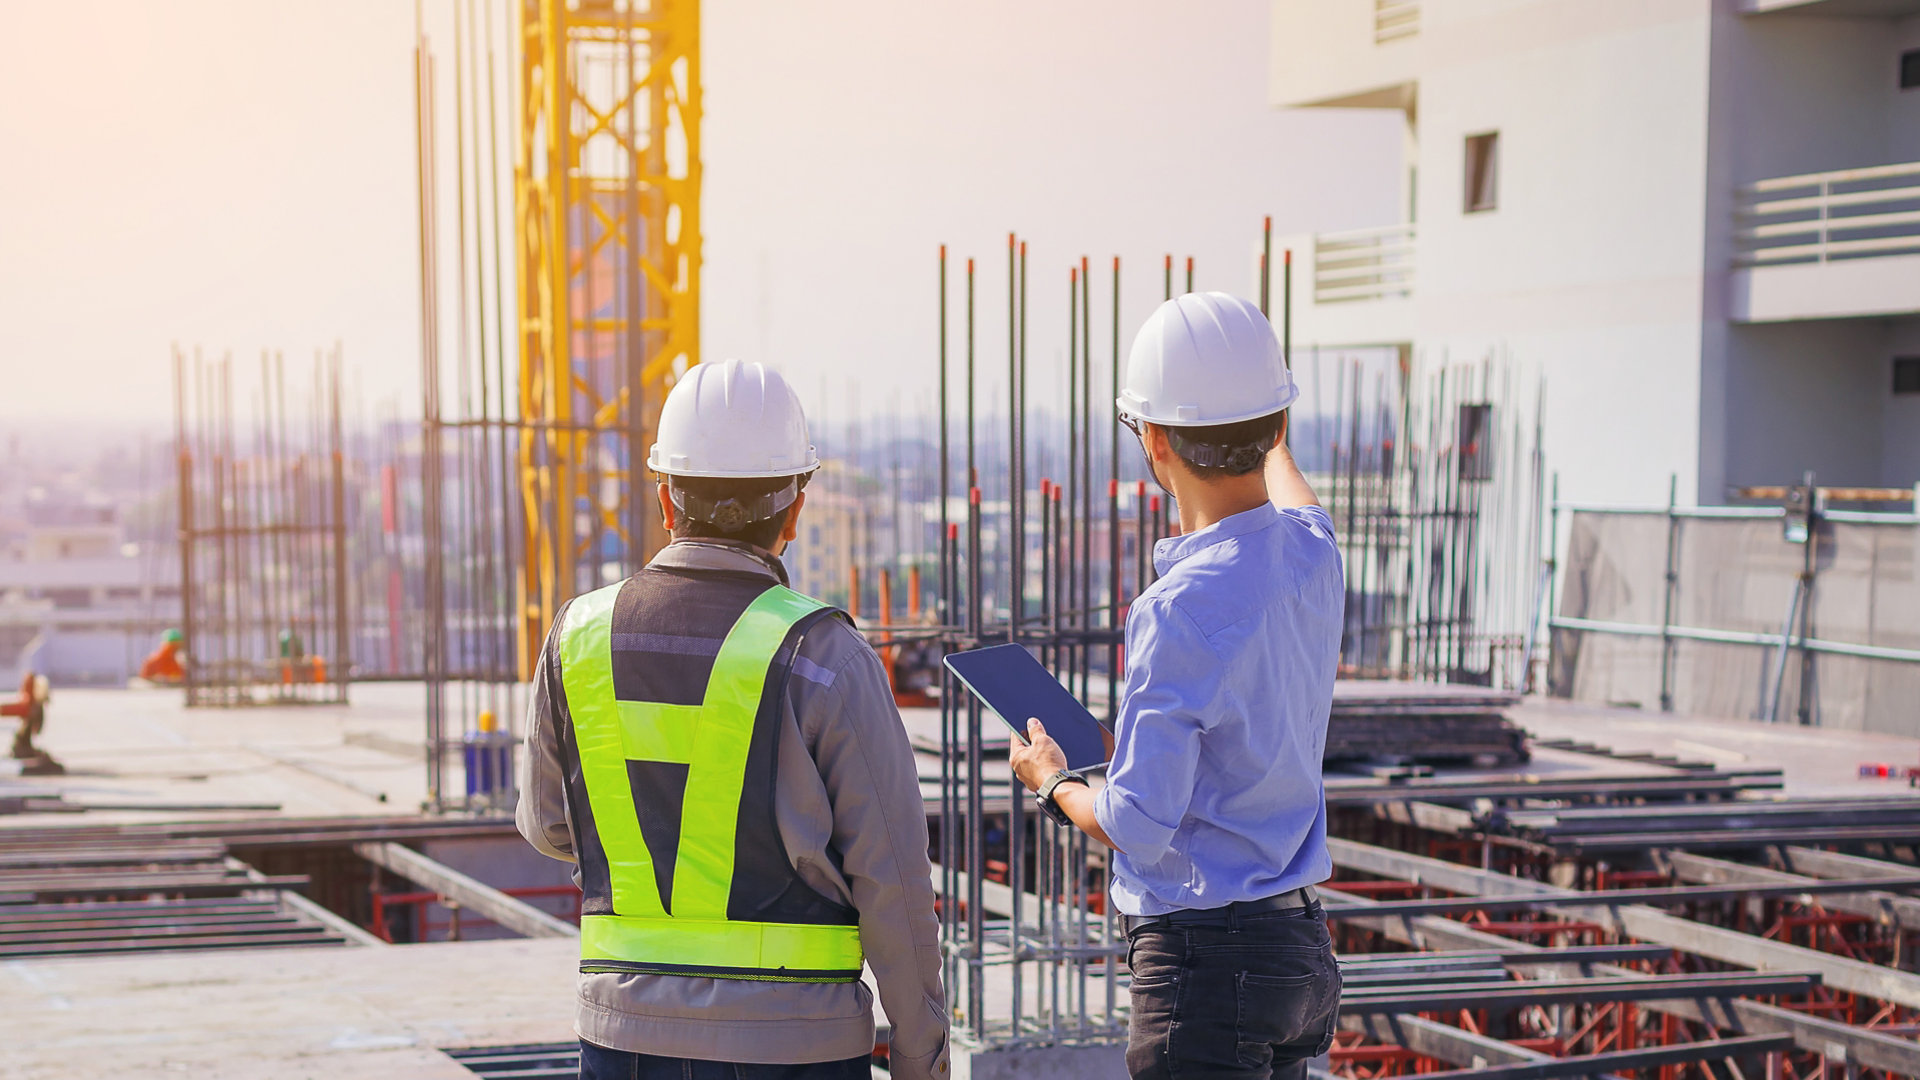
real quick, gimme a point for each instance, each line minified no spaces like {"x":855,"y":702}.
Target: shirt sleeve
{"x":1171,"y":693}
{"x":542,"y":812}
{"x":880,"y":831}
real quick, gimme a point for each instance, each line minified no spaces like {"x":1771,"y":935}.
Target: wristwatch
{"x":1044,"y":796}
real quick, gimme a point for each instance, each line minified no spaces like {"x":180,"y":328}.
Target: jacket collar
{"x":1173,"y":549}
{"x":720,"y":555}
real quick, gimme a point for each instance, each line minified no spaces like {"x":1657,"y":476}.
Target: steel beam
{"x":476,"y":896}
{"x":1443,"y":996}
{"x":1796,"y":887}
{"x":1430,"y":1038}
{"x":1650,"y":1057}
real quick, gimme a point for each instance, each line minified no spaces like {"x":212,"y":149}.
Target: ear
{"x":1286,"y":418}
{"x":791,"y":530}
{"x":1158,"y":448}
{"x":666,"y":506}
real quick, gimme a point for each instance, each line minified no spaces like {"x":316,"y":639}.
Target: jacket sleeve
{"x":542,"y":812}
{"x":880,"y":831}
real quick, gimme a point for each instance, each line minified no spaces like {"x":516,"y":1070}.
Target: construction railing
{"x":1363,"y":264}
{"x":1829,"y":216}
{"x":1395,"y":19}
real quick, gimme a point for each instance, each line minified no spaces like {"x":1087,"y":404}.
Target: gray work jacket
{"x":847,"y":799}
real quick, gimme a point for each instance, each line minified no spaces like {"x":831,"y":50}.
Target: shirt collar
{"x":1175,"y":548}
{"x":725,"y":555}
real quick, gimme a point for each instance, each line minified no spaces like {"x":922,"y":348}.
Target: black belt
{"x":1286,"y":903}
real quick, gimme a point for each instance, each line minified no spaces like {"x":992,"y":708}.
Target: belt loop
{"x":1233,"y":918}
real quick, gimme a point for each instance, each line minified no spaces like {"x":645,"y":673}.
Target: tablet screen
{"x":1014,"y":686}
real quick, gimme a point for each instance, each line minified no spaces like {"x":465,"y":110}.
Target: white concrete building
{"x":1699,"y":218}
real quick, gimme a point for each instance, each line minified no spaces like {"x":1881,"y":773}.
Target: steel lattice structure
{"x":607,"y":204}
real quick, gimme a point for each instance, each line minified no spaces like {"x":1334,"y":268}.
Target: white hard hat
{"x":1204,"y":359}
{"x":731,"y":419}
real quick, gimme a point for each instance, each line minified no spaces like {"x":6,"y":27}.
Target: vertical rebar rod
{"x":946,"y":614}
{"x":1075,"y":368}
{"x":342,"y":662}
{"x":1086,"y":476}
{"x":1113,"y":510}
{"x":973,"y":470}
{"x":1266,"y":263}
{"x":184,"y":534}
{"x":976,"y":824}
{"x":1667,"y":587}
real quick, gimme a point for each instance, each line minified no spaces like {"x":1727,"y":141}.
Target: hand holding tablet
{"x":1014,"y":686}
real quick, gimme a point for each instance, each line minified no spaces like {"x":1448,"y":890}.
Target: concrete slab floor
{"x":146,"y":746}
{"x":286,"y":1014}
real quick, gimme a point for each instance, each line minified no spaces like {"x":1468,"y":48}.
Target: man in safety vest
{"x":722,"y":759}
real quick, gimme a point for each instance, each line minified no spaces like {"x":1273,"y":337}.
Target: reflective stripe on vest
{"x":712,"y":739}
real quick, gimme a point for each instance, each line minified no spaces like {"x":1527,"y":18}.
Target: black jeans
{"x":600,"y":1063}
{"x":1254,"y":1000}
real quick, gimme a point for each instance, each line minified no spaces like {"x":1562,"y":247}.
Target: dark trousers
{"x":600,"y":1063}
{"x":1254,"y":997}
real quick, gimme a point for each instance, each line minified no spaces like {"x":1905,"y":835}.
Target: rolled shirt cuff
{"x":1138,"y":836}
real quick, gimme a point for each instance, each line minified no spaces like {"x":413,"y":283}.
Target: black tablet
{"x":1011,"y":683}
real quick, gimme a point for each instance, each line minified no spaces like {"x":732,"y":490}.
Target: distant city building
{"x":79,"y":602}
{"x":1694,"y":217}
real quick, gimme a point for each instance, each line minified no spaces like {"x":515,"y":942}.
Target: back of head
{"x":1207,"y":368}
{"x":733,"y":447}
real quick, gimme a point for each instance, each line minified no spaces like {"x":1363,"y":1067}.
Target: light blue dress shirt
{"x":1214,"y":794}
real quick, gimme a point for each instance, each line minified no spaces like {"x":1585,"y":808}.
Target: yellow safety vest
{"x":624,"y":746}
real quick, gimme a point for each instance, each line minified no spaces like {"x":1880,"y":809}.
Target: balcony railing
{"x":1828,"y":217}
{"x":1363,"y":264}
{"x":1394,"y":19}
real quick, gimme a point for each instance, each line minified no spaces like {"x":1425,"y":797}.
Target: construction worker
{"x":1213,"y":802}
{"x":722,"y":759}
{"x":166,"y":665}
{"x":31,"y":708}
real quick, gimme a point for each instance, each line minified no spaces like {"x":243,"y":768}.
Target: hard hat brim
{"x":1287,"y":402}
{"x":731,"y":474}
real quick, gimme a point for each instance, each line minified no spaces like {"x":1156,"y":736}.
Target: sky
{"x":238,"y":176}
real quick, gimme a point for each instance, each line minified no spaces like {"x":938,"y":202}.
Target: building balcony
{"x":1345,"y":53}
{"x":1395,"y":19}
{"x":1358,"y":288}
{"x":1833,"y":245}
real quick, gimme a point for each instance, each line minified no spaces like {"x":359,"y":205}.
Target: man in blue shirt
{"x":1214,"y":804}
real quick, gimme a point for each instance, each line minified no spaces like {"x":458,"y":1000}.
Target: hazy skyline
{"x":240,"y":175}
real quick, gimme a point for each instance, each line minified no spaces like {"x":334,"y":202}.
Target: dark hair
{"x":761,"y":534}
{"x":1220,"y":450}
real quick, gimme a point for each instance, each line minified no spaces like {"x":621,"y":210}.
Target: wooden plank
{"x":472,"y":895}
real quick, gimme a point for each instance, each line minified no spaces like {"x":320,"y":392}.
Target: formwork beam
{"x":1836,"y":1041}
{"x":1828,"y":864}
{"x":472,"y":895}
{"x":1645,"y":923}
{"x":1882,"y":907}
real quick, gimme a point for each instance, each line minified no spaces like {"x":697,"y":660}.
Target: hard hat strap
{"x":732,"y":514}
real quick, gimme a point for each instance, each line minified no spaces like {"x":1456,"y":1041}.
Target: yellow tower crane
{"x":607,"y":204}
